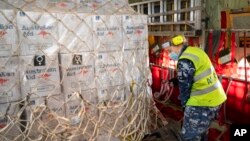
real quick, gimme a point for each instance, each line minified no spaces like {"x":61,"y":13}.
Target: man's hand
{"x":174,"y":81}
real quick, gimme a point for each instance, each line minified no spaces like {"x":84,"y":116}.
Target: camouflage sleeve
{"x":185,"y":76}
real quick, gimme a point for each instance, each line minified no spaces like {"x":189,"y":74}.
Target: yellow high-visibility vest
{"x":206,"y":89}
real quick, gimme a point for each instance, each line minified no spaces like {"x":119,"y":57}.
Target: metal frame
{"x":163,"y":27}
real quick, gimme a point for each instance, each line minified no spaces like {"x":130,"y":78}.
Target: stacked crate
{"x":71,"y":67}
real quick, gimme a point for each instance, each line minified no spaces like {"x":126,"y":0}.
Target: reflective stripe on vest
{"x":204,"y":74}
{"x":190,"y":55}
{"x":207,"y":90}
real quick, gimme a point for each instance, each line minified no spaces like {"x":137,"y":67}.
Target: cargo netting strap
{"x":74,"y":70}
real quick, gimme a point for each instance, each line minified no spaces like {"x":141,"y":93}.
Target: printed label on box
{"x":9,"y":80}
{"x":109,"y":69}
{"x":77,"y":72}
{"x":135,"y":31}
{"x":8,"y":34}
{"x":39,"y":75}
{"x":108,"y":33}
{"x":38,"y":33}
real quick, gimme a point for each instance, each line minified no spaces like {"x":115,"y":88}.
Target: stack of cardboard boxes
{"x":78,"y":59}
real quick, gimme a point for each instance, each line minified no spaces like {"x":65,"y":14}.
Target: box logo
{"x":77,"y":60}
{"x":39,"y":60}
{"x":2,"y":33}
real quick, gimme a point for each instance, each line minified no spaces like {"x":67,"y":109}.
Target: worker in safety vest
{"x":201,"y":93}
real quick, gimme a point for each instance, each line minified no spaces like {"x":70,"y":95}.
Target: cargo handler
{"x":201,"y":93}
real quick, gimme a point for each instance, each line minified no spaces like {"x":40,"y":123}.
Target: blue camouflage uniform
{"x":196,"y":119}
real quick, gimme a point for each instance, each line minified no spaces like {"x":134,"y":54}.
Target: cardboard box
{"x":41,"y":5}
{"x":54,"y":119}
{"x":45,"y":116}
{"x":103,"y":6}
{"x":77,"y":72}
{"x":39,"y":75}
{"x":34,"y":109}
{"x":8,"y":33}
{"x":109,"y":69}
{"x":111,"y":101}
{"x":135,"y":31}
{"x":111,"y":95}
{"x":84,"y":102}
{"x":108,"y":32}
{"x":31,"y":107}
{"x":9,"y":121}
{"x":136,"y":65}
{"x":75,"y":32}
{"x":82,"y":112}
{"x":9,"y":80}
{"x":38,"y":32}
{"x":56,"y":104}
{"x":17,"y":3}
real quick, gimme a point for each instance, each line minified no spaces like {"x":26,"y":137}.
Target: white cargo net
{"x":73,"y":70}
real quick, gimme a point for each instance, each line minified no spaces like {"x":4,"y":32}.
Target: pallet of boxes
{"x":73,"y":70}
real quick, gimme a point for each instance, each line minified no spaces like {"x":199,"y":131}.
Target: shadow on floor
{"x":170,"y":132}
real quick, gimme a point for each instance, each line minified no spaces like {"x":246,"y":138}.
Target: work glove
{"x":174,"y":81}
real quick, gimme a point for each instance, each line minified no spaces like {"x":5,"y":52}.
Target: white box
{"x":136,"y":65}
{"x":56,"y":5}
{"x":17,"y":3}
{"x":111,"y":95}
{"x":75,"y":32}
{"x":135,"y":31}
{"x":9,"y":80}
{"x":82,"y":110}
{"x":104,"y":6}
{"x":108,"y":32}
{"x":108,"y":7}
{"x":8,"y":33}
{"x":9,"y":121}
{"x":56,"y":104}
{"x":31,"y":105}
{"x":54,"y":118}
{"x":50,"y":5}
{"x":45,"y":115}
{"x":112,"y":100}
{"x":39,"y":75}
{"x":85,"y":101}
{"x":84,"y":6}
{"x":109,"y":69}
{"x":38,"y":32}
{"x":77,"y":72}
{"x":34,"y":109}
